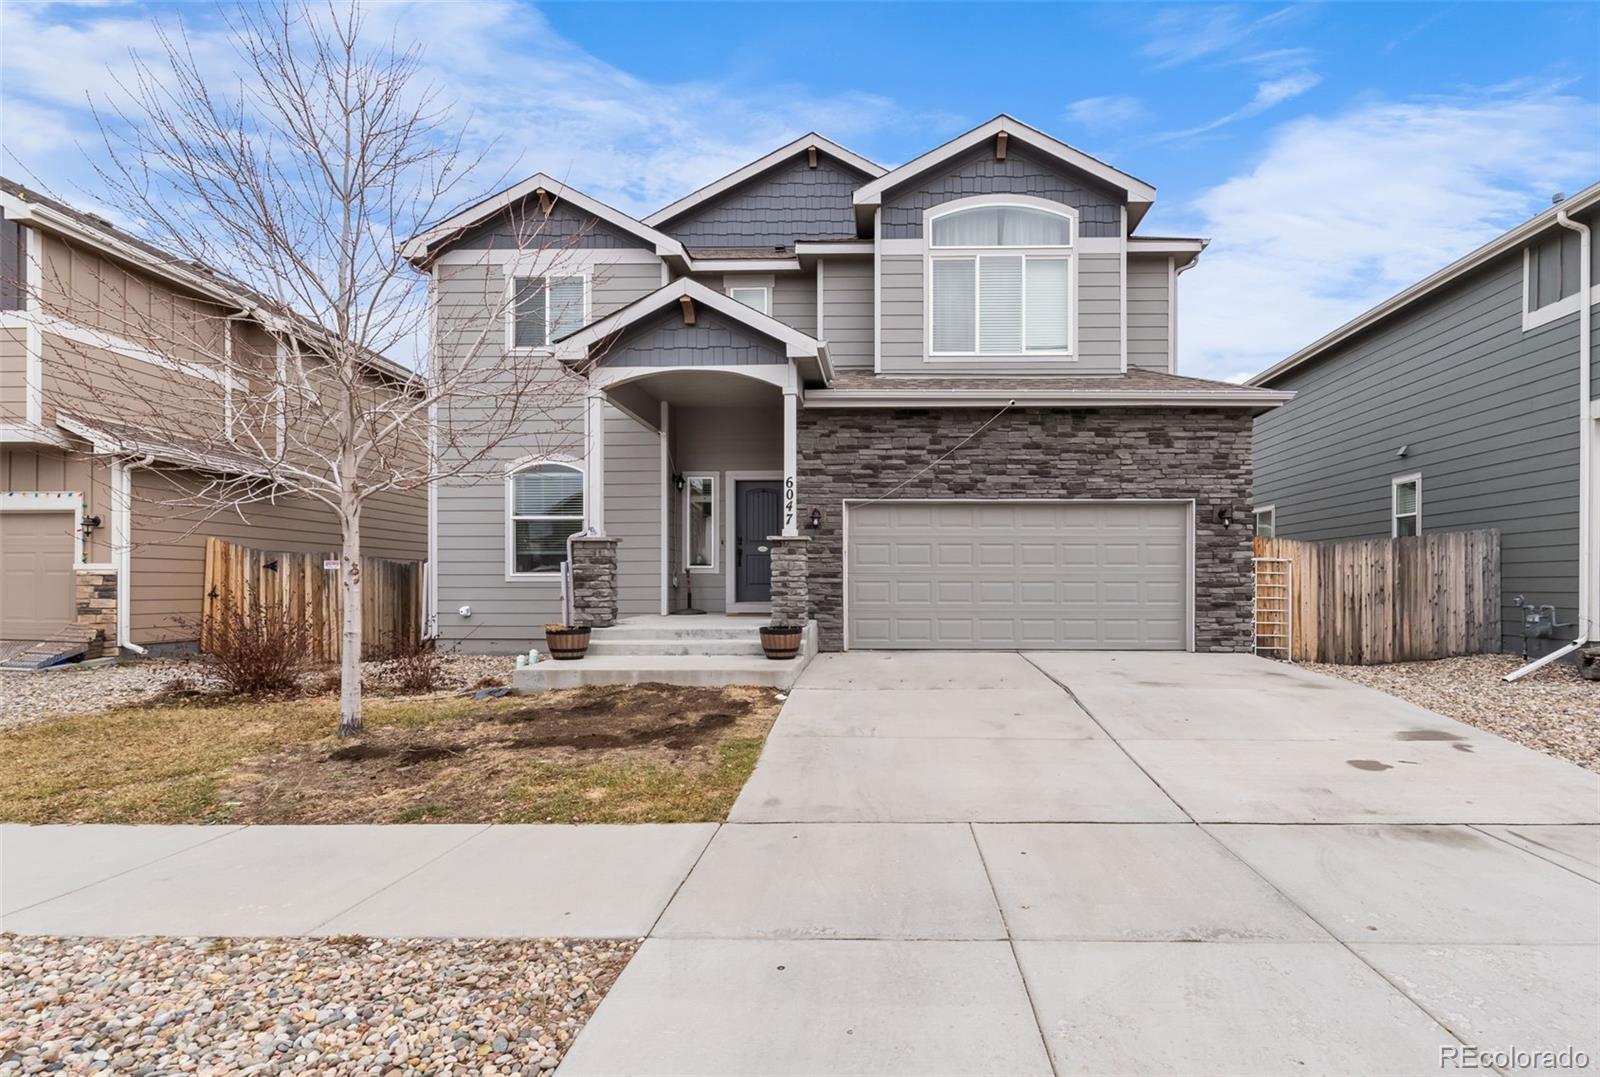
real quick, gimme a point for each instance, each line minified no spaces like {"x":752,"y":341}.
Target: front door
{"x":756,"y":517}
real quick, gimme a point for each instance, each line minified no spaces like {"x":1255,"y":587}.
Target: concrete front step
{"x":659,"y":631}
{"x":608,"y":646}
{"x":702,"y":670}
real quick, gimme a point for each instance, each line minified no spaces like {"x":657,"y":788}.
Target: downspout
{"x":122,"y":505}
{"x":1586,"y":552}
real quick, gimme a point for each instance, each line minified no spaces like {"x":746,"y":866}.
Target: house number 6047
{"x":788,"y":502}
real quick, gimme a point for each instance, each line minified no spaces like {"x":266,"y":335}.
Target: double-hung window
{"x":1406,"y":505}
{"x":545,"y":506}
{"x":545,"y":309}
{"x":752,"y":296}
{"x":1000,"y":281}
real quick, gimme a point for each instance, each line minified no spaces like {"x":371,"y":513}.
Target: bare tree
{"x":296,"y":183}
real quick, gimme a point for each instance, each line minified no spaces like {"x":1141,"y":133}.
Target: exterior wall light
{"x":1225,"y":516}
{"x":815,"y":521}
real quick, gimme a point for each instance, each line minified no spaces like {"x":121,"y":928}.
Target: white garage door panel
{"x":1024,"y":574}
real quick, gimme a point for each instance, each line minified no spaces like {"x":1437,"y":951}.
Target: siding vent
{"x":1000,"y":146}
{"x":688,"y":309}
{"x":546,"y":201}
{"x":811,"y":157}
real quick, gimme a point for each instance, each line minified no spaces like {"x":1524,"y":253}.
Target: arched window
{"x":1000,"y":281}
{"x":545,"y":503}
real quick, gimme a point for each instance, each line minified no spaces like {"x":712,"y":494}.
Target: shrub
{"x":412,"y":666}
{"x":259,"y":649}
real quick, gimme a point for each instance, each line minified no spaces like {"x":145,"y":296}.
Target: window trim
{"x":1268,"y":510}
{"x":1394,"y":502}
{"x":1068,"y":252}
{"x":716,"y":509}
{"x":1565,"y":307}
{"x":766,"y":296}
{"x":510,"y":518}
{"x":513,"y":276}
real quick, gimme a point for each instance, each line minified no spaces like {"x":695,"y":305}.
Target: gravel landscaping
{"x":1553,"y":710}
{"x":267,"y":1006}
{"x":26,"y":698}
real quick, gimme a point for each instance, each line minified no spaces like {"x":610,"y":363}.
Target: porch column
{"x":791,"y":510}
{"x":594,"y":498}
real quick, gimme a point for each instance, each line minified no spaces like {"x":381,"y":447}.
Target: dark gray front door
{"x":756,"y":517}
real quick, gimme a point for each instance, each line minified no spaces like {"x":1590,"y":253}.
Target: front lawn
{"x":615,"y":754}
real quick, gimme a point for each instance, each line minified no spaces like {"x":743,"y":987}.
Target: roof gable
{"x":869,"y":169}
{"x":803,"y":197}
{"x":1139,"y":194}
{"x":437,"y":238}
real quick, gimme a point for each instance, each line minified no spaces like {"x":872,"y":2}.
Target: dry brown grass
{"x":627,"y":753}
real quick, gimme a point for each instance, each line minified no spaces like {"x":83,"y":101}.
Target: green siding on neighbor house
{"x":1487,"y":413}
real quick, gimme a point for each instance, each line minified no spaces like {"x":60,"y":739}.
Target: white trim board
{"x":864,"y":502}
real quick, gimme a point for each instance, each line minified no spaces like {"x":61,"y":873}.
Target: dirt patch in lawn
{"x":623,"y":753}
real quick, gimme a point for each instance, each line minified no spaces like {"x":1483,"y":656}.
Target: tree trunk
{"x":350,"y":636}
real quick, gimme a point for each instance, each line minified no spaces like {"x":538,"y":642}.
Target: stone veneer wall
{"x":1196,"y":453}
{"x":96,"y":607}
{"x":791,"y":603}
{"x":594,"y":582}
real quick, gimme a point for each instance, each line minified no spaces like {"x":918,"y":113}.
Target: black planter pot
{"x":567,"y":642}
{"x":781,"y":641}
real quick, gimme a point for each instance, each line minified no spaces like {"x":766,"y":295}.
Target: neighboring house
{"x":954,"y":379}
{"x":88,"y":534}
{"x":1466,"y":401}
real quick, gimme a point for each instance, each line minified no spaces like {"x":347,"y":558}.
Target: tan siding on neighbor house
{"x":169,"y":544}
{"x":13,"y":375}
{"x":26,"y":468}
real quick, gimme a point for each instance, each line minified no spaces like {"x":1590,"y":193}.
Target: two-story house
{"x":97,"y":328}
{"x":1466,"y":401}
{"x":941,"y":399}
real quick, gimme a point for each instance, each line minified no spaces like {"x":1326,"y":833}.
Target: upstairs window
{"x":545,"y":309}
{"x":1267,"y":521}
{"x":1551,"y":267}
{"x":1406,"y":501}
{"x":754,"y":297}
{"x":546,"y":506}
{"x":1000,"y":281}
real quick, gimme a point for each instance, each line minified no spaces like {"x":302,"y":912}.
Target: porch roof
{"x":808,"y":354}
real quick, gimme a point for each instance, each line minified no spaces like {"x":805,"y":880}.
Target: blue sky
{"x":1334,"y":153}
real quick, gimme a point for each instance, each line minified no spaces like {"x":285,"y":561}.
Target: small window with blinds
{"x":1000,"y":282}
{"x":545,"y":309}
{"x":546,"y":506}
{"x":1405,"y":494}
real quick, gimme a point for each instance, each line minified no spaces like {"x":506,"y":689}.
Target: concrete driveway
{"x":1114,"y":863}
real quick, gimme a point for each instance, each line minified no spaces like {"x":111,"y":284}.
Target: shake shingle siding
{"x":788,"y":202}
{"x":712,"y":340}
{"x":1024,"y":171}
{"x":526,"y":228}
{"x":1487,"y":413}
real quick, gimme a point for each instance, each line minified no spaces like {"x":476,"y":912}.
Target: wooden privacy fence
{"x":1387,"y":600}
{"x":299,"y":585}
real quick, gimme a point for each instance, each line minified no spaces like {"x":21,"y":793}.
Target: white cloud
{"x":536,"y":101}
{"x":1341,"y":212}
{"x":1271,"y":92}
{"x":1180,"y":35}
{"x":1106,"y":113}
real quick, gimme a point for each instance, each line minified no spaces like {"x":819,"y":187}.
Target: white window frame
{"x":513,"y":276}
{"x":1271,"y":512}
{"x":766,"y":296}
{"x":1394,"y":502}
{"x":975,"y":254}
{"x":512,"y":471}
{"x":713,"y":537}
{"x":1564,"y":307}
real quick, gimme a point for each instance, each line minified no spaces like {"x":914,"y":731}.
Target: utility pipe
{"x":1586,"y":553}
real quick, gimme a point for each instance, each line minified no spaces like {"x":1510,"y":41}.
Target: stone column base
{"x":594,"y":581}
{"x":791,"y":592}
{"x":95,"y":606}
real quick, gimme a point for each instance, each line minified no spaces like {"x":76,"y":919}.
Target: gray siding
{"x":847,"y":311}
{"x":794,"y":301}
{"x":787,"y":202}
{"x":903,"y":324}
{"x":1489,"y":416}
{"x":616,"y":284}
{"x":13,"y":265}
{"x":524,"y":225}
{"x":1024,"y":171}
{"x":1148,"y":313}
{"x":712,"y":340}
{"x":714,"y":441}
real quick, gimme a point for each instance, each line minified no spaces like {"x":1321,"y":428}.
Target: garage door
{"x":35,"y":573}
{"x":976,"y":574}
